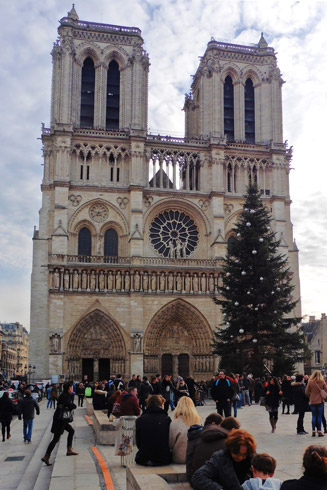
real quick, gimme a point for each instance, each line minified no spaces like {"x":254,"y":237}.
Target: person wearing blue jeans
{"x":317,"y":410}
{"x":316,"y":391}
{"x":27,"y":410}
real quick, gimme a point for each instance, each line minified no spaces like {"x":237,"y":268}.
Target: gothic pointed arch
{"x":96,"y":335}
{"x":187,"y":319}
{"x":87,"y":49}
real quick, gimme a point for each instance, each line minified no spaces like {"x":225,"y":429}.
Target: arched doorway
{"x":95,"y":348}
{"x":177,"y":342}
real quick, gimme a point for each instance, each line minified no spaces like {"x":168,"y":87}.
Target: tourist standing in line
{"x":301,"y":402}
{"x":60,"y":424}
{"x":273,"y":395}
{"x":146,"y":389}
{"x":6,"y":412}
{"x":80,"y":391}
{"x":27,"y":410}
{"x":316,"y":383}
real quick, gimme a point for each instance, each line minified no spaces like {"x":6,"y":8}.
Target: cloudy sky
{"x":176,"y":33}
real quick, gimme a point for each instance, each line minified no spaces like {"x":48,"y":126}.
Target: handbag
{"x":323,"y":393}
{"x":262,"y":401}
{"x":235,"y":397}
{"x":65,"y":415}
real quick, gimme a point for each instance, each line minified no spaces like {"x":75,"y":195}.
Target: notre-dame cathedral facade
{"x":133,"y":226}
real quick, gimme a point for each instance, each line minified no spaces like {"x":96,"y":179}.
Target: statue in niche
{"x":179,"y":282}
{"x":84,"y":280}
{"x":171,"y":249}
{"x":101,"y":281}
{"x":187,"y":283}
{"x":203,"y":283}
{"x":66,"y":279}
{"x":178,"y":248}
{"x":55,"y":344}
{"x":92,"y":280}
{"x":220,"y":281}
{"x":195,"y":283}
{"x":118,"y":281}
{"x":137,"y":341}
{"x":137,"y":281}
{"x":75,"y":279}
{"x":211,"y":283}
{"x":145,"y":281}
{"x":162,"y":281}
{"x":153,"y":281}
{"x":127,"y":281}
{"x":170,"y":281}
{"x":110,"y":281}
{"x":56,"y":279}
{"x":184,"y":247}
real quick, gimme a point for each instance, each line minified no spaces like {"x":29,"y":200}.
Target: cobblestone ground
{"x":81,"y":472}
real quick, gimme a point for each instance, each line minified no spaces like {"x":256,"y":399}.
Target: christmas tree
{"x":259,"y":326}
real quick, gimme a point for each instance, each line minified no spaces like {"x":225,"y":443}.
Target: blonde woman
{"x":185,"y":415}
{"x":316,"y":383}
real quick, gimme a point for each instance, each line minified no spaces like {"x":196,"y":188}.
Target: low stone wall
{"x":105,"y":431}
{"x":155,"y":477}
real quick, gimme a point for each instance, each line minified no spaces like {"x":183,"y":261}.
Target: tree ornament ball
{"x":246,"y":209}
{"x":241,"y":330}
{"x":275,"y":312}
{"x":228,"y":274}
{"x":248,"y":223}
{"x":255,"y":341}
{"x":238,"y":235}
{"x":249,"y":292}
{"x":256,"y":309}
{"x":236,"y":303}
{"x":272,"y":292}
{"x":236,"y":261}
{"x":252,"y":211}
{"x":227,"y":323}
{"x":261,"y":278}
{"x":254,"y":252}
{"x":260,"y":240}
{"x":232,"y":336}
{"x":243,"y":273}
{"x":227,"y":288}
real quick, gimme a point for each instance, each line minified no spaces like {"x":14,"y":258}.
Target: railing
{"x":239,"y":48}
{"x":83,"y":24}
{"x":60,"y":259}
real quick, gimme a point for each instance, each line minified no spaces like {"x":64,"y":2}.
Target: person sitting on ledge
{"x":152,"y":434}
{"x":263,"y":468}
{"x":315,"y":471}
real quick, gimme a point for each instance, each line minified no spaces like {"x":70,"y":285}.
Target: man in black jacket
{"x":27,"y":410}
{"x":222,"y":393}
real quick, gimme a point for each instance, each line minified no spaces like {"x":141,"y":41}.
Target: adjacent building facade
{"x":14,"y":342}
{"x":133,"y":226}
{"x":316,"y":334}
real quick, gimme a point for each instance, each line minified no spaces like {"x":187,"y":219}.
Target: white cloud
{"x":176,"y":34}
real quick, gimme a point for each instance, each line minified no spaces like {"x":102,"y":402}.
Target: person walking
{"x":273,"y":394}
{"x":27,"y":411}
{"x":222,"y":393}
{"x":49,"y":396}
{"x":316,"y":383}
{"x":61,"y":423}
{"x":80,"y":391}
{"x":6,"y":413}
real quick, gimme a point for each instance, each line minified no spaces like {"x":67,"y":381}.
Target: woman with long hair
{"x":112,"y":400}
{"x":230,"y":467}
{"x":315,"y":471}
{"x":315,"y":384}
{"x":273,"y":395}
{"x":185,"y":415}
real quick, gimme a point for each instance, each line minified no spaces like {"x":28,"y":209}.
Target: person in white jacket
{"x":263,"y":469}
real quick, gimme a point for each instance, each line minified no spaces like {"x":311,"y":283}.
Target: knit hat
{"x":179,"y":378}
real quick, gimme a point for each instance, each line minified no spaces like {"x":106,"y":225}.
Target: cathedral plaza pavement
{"x":22,"y":469}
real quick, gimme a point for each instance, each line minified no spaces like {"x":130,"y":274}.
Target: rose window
{"x":174,"y":234}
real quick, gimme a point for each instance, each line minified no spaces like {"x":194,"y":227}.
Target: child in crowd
{"x":263,"y":468}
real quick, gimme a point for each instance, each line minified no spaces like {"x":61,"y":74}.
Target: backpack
{"x":228,"y":382}
{"x":88,"y":391}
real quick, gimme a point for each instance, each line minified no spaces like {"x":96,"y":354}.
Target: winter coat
{"x":129,"y":405}
{"x":313,"y":392}
{"x":300,"y":399}
{"x":152,"y":437}
{"x":27,"y":408}
{"x":145,"y":390}
{"x":80,"y":391}
{"x":178,"y":440}
{"x":219,"y":473}
{"x":64,"y":400}
{"x":211,"y":439}
{"x":193,"y":435}
{"x":305,"y":483}
{"x":181,"y":390}
{"x":259,"y":484}
{"x":167,"y":388}
{"x":6,"y":409}
{"x":222,"y":390}
{"x":286,"y":389}
{"x":273,"y":399}
{"x":99,"y":399}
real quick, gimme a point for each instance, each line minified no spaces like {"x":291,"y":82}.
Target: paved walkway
{"x":22,"y":469}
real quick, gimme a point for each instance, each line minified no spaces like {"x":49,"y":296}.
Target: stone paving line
{"x":83,"y":472}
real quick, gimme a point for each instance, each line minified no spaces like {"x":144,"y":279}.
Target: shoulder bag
{"x":323,"y":393}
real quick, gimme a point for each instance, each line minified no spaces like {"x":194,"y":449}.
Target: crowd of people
{"x":218,"y":454}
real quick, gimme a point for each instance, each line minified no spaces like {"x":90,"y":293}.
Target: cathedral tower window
{"x":87,"y":94}
{"x":84,"y":242}
{"x":113,"y":94}
{"x":229,"y":108}
{"x":249,"y":111}
{"x":111,"y":243}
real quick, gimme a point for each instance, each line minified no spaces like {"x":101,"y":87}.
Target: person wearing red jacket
{"x":129,"y":403}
